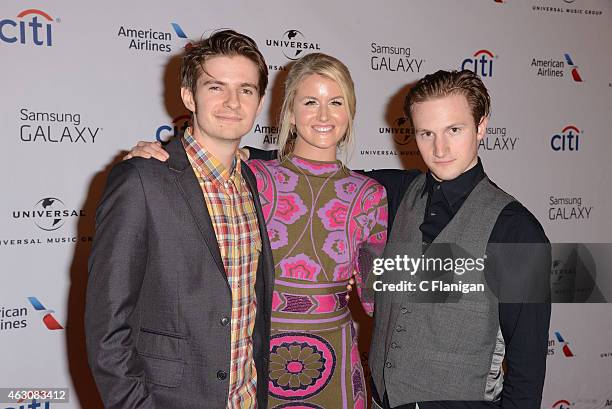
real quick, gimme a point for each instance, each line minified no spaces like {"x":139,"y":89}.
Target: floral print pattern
{"x":318,"y":216}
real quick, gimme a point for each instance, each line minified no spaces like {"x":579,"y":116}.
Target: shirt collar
{"x":209,"y":167}
{"x":457,"y":190}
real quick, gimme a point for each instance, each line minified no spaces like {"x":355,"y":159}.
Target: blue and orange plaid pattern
{"x":234,"y":219}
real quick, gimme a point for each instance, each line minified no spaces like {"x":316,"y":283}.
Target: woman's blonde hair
{"x":326,"y":66}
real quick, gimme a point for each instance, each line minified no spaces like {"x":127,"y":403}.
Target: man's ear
{"x":481,"y":130}
{"x":188,"y":100}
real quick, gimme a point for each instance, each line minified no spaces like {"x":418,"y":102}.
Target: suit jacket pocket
{"x":162,"y":354}
{"x":164,"y":372}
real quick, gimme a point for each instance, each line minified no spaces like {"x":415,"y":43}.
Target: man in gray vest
{"x":445,"y":349}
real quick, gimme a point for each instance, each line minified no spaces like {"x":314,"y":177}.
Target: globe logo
{"x":48,"y":213}
{"x":293,"y":36}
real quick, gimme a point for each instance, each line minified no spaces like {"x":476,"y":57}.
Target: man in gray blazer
{"x":181,"y":273}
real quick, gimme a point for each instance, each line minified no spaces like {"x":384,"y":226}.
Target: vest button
{"x":394,"y":345}
{"x":221,"y":375}
{"x":404,"y":310}
{"x":224,"y":321}
{"x":399,"y":328}
{"x":388,"y":364}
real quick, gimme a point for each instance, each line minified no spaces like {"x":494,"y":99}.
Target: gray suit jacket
{"x":158,"y":300}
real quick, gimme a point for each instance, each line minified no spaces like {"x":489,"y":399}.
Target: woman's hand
{"x":148,"y":150}
{"x":244,"y":153}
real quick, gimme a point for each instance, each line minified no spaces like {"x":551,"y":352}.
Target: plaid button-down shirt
{"x":234,"y":219}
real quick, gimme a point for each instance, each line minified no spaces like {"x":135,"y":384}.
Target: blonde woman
{"x":318,"y":216}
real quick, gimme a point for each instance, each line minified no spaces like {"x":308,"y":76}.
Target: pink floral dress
{"x":318,"y":215}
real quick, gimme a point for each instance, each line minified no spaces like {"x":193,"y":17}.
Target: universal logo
{"x":48,"y":214}
{"x":562,"y":7}
{"x":402,"y":131}
{"x":293,"y":44}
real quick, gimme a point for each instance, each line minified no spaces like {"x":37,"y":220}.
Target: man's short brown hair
{"x":227,"y":43}
{"x":445,"y":83}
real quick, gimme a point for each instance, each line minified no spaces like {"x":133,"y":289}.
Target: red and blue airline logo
{"x":561,"y":404}
{"x":32,"y":26}
{"x":47,"y":315}
{"x":567,"y":140}
{"x":566,"y":351}
{"x":575,"y":75}
{"x":481,"y":63}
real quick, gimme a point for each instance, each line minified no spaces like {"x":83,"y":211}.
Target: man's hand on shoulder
{"x":148,"y":150}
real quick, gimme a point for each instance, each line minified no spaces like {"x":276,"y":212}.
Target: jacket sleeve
{"x":116,"y":270}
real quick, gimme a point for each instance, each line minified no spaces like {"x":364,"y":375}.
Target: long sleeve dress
{"x":318,"y":216}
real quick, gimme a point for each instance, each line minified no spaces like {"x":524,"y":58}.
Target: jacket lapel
{"x":192,"y":193}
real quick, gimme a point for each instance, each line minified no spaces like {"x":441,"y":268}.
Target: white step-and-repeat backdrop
{"x":81,"y":81}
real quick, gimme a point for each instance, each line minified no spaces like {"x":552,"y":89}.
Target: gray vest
{"x":431,"y":350}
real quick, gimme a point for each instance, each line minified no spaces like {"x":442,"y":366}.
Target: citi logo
{"x":166,"y":132}
{"x":34,"y":404}
{"x":481,"y":63}
{"x":561,"y":404}
{"x":32,"y":26}
{"x":47,"y":315}
{"x":575,"y":75}
{"x":567,"y":140}
{"x":567,"y":352}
